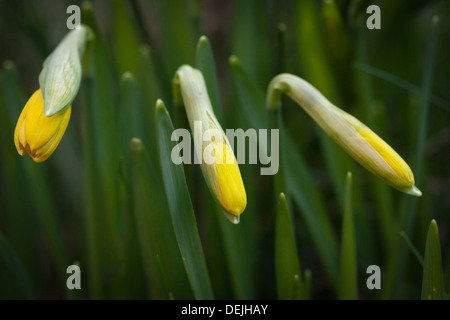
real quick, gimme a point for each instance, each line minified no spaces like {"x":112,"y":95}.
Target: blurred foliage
{"x":106,"y":202}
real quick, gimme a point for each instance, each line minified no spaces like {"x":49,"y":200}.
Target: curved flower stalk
{"x":351,"y":134}
{"x":45,"y":117}
{"x":218,"y":163}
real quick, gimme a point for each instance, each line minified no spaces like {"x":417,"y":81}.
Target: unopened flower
{"x":44,"y":118}
{"x":37,"y":134}
{"x":229,"y":180}
{"x":351,"y":134}
{"x":218,"y":163}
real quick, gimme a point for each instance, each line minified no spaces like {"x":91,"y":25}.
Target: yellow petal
{"x":405,"y":175}
{"x":232,"y":192}
{"x":37,"y":134}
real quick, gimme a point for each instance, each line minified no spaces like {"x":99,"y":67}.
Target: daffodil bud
{"x":37,"y":134}
{"x":60,"y":77}
{"x":218,"y":163}
{"x":351,"y":134}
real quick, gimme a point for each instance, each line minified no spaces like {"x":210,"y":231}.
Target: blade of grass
{"x":158,"y":243}
{"x":249,"y":36}
{"x":433,"y":280}
{"x":151,"y":90}
{"x":336,"y":41}
{"x":176,"y":18}
{"x":92,"y":202}
{"x":287,"y":266}
{"x":348,"y":272}
{"x":219,"y":266}
{"x":405,"y":85}
{"x":412,"y":248}
{"x":143,"y":211}
{"x":205,"y":63}
{"x":183,"y":218}
{"x":130,"y":111}
{"x":104,"y":174}
{"x":240,"y":260}
{"x":130,"y":117}
{"x":125,"y":40}
{"x":276,"y":123}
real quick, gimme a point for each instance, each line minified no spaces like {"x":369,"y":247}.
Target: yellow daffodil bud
{"x":60,"y":77}
{"x":218,"y":163}
{"x":231,"y":188}
{"x":351,"y":134}
{"x":37,"y":134}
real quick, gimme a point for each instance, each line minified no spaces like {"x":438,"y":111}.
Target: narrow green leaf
{"x":181,"y":210}
{"x":336,"y":39}
{"x":130,"y":111}
{"x":238,"y":248}
{"x":176,"y":18}
{"x":433,"y":280}
{"x":130,"y":125}
{"x":219,"y":265}
{"x":287,"y":266}
{"x":348,"y":288}
{"x":158,"y":243}
{"x":276,"y":123}
{"x":125,"y":40}
{"x":92,"y":203}
{"x":311,"y":48}
{"x":205,"y":63}
{"x":399,"y":82}
{"x":150,"y":87}
{"x":302,"y":188}
{"x":146,"y":219}
{"x":412,"y":248}
{"x":102,"y":145}
{"x":251,"y":96}
{"x":250,"y":33}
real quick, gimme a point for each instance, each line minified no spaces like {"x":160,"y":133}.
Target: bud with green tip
{"x":45,"y":117}
{"x":219,"y":165}
{"x":60,"y":77}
